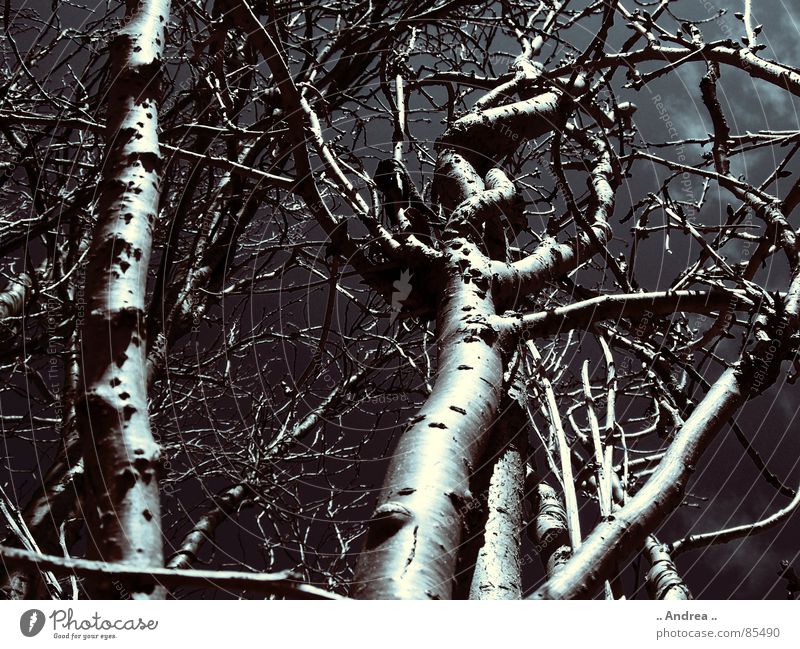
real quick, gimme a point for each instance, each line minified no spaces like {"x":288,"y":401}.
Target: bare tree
{"x":404,"y":300}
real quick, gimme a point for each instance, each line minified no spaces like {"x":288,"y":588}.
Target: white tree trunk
{"x":122,"y":457}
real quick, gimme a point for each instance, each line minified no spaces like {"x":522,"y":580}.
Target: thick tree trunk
{"x":122,"y":457}
{"x":415,"y":531}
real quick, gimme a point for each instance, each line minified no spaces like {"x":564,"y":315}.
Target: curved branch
{"x":280,"y":583}
{"x":695,"y":541}
{"x":552,"y":259}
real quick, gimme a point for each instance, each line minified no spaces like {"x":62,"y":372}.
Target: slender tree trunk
{"x":122,"y":457}
{"x":549,"y":530}
{"x":498,"y":569}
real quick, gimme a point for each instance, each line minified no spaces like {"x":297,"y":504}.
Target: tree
{"x":389,"y":299}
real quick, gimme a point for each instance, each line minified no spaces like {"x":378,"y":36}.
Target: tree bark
{"x":498,"y":568}
{"x":549,"y":530}
{"x":14,"y":296}
{"x":122,"y":457}
{"x":415,"y":531}
{"x":663,"y":580}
